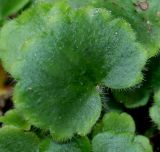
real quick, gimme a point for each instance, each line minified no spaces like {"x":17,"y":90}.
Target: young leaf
{"x":15,"y":118}
{"x":118,"y":123}
{"x":15,"y":140}
{"x":112,"y":122}
{"x":64,"y":61}
{"x":119,"y":135}
{"x":77,"y":145}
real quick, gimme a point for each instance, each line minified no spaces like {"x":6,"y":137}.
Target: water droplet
{"x":148,"y":22}
{"x":110,"y":12}
{"x":29,"y":88}
{"x":59,"y":117}
{"x":158,"y":14}
{"x":81,"y":83}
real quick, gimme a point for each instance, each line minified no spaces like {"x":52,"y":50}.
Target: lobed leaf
{"x":117,"y":123}
{"x":58,"y":62}
{"x":118,"y":135}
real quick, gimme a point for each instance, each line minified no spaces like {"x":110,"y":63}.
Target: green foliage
{"x":46,"y":51}
{"x":144,"y":17}
{"x":15,"y":140}
{"x":118,"y":136}
{"x":133,"y":98}
{"x":155,"y":77}
{"x":117,"y":123}
{"x":78,"y":65}
{"x":78,"y":145}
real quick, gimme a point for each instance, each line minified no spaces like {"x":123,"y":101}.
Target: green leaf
{"x":114,"y":122}
{"x":110,"y":142}
{"x":144,"y":142}
{"x":154,"y":114}
{"x":144,"y":17}
{"x":64,"y":61}
{"x":9,"y":7}
{"x":15,"y":118}
{"x":21,"y":34}
{"x":118,"y":123}
{"x":157,"y":97}
{"x":76,"y":145}
{"x":133,"y":98}
{"x":15,"y":140}
{"x":123,"y":73}
{"x":73,"y":3}
{"x":118,"y":134}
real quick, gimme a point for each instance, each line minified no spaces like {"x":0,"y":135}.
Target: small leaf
{"x":118,"y":123}
{"x":133,"y":98}
{"x":118,"y":134}
{"x":15,"y":140}
{"x":15,"y":118}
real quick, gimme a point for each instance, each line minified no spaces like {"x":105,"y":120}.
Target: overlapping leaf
{"x":144,"y":17}
{"x":133,"y":98}
{"x":118,"y":136}
{"x":15,"y":140}
{"x":76,"y":145}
